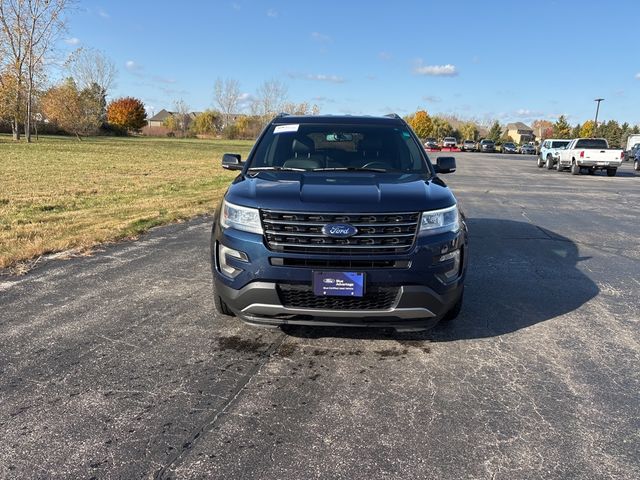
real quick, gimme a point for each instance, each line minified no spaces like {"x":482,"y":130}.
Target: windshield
{"x":322,"y":147}
{"x":510,"y":145}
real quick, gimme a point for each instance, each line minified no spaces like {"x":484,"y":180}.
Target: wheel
{"x":221,"y":307}
{"x":611,"y":172}
{"x":636,"y":165}
{"x":549,"y":163}
{"x":540,"y":162}
{"x":575,"y":169}
{"x":455,"y":310}
{"x":558,"y":166}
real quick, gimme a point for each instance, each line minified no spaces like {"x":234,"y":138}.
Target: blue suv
{"x":339,"y":220}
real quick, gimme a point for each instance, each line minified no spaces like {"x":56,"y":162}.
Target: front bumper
{"x":418,"y":294}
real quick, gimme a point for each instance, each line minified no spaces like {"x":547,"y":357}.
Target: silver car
{"x":528,"y":149}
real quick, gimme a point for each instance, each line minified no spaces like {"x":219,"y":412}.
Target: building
{"x":520,"y":132}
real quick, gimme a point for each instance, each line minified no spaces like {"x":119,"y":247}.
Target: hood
{"x":340,"y":191}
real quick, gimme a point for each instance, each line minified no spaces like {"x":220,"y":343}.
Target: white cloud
{"x":526,"y":113}
{"x":103,"y":13}
{"x":320,"y":37}
{"x":133,"y":66}
{"x":638,"y":76}
{"x":72,"y":41}
{"x":385,"y":56}
{"x":272,"y":13}
{"x":320,"y":77}
{"x":447,"y":70}
{"x":431,"y":99}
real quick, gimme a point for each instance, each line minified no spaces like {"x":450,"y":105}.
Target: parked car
{"x":632,"y":141}
{"x":487,"y":146}
{"x":509,"y":147}
{"x":548,"y":155}
{"x":339,"y":220}
{"x":589,"y":154}
{"x":631,"y":153}
{"x":528,"y":149}
{"x":636,"y":161}
{"x":431,"y":143}
{"x":469,"y":146}
{"x":449,"y":142}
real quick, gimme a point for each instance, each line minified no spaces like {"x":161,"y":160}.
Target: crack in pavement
{"x":212,"y":420}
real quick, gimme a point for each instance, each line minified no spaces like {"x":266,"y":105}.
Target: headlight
{"x":241,"y":218}
{"x":439,"y":221}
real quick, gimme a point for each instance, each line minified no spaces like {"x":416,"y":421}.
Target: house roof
{"x":518,"y":126}
{"x":161,"y":116}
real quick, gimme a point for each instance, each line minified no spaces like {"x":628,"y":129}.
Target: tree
{"x":227,"y":97}
{"x":612,"y":132}
{"x":92,"y":68}
{"x":587,"y":129}
{"x":127,"y":113}
{"x":28,"y":30}
{"x":206,"y":123}
{"x":182,"y":115}
{"x":468,"y":131}
{"x":271,"y":97}
{"x":542,"y":128}
{"x":77,"y":112}
{"x":495,"y":132}
{"x":575,"y":132}
{"x":302,"y":108}
{"x":421,"y":123}
{"x":441,"y":128}
{"x":561,"y":128}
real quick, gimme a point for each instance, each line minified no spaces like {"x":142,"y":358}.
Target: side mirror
{"x":231,"y":161}
{"x":445,"y":165}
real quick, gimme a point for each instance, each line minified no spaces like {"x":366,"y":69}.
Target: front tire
{"x":636,"y":165}
{"x":540,"y":162}
{"x":549,"y":163}
{"x":455,"y":310}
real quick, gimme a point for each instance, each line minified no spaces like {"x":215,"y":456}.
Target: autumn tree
{"x":469,"y":131}
{"x":575,"y":131}
{"x":75,"y":111}
{"x":441,"y":128}
{"x":127,"y":113}
{"x":421,"y":123}
{"x":587,"y":130}
{"x":495,"y":132}
{"x":28,"y":31}
{"x":182,"y":115}
{"x":206,"y":123}
{"x":542,"y":128}
{"x":561,"y":128}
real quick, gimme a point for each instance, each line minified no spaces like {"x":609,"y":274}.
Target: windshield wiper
{"x":276,"y":169}
{"x":350,"y":169}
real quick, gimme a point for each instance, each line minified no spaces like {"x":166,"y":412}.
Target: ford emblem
{"x":339,"y":230}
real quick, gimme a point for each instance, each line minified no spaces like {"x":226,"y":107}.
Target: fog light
{"x":223,"y":254}
{"x":455,"y":268}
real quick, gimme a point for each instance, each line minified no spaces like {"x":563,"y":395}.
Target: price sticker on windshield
{"x":286,"y":128}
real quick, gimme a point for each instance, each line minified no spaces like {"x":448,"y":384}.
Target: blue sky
{"x":505,"y":60}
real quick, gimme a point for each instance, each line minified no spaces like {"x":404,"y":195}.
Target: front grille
{"x":301,"y":296}
{"x":378,"y":233}
{"x":335,"y":263}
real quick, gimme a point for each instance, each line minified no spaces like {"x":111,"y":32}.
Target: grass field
{"x":59,"y":194}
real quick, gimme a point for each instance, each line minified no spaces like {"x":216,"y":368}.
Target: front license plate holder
{"x":339,"y":284}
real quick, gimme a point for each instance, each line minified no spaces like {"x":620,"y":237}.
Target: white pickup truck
{"x":589,"y":154}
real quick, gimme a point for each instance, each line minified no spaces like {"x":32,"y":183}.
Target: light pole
{"x":595,"y":123}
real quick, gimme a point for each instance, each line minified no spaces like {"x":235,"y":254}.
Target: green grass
{"x":58,"y":193}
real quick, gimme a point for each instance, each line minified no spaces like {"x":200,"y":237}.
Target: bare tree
{"x":28,"y":30}
{"x":227,"y":97}
{"x":89,"y":67}
{"x":183,"y":115}
{"x":271,"y":98}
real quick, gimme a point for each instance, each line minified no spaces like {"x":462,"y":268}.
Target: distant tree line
{"x":439,"y":127}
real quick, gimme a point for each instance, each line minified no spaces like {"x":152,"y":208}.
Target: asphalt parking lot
{"x":115,"y":365}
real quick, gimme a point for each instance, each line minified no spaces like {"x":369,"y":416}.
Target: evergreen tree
{"x":495,"y":132}
{"x":561,"y":128}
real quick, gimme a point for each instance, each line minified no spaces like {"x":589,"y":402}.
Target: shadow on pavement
{"x":519,"y":275}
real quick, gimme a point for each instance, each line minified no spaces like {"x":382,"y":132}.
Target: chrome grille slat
{"x":299,"y":232}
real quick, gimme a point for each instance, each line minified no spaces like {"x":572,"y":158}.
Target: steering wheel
{"x":376,"y":164}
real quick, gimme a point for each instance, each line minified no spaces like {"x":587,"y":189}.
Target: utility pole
{"x":595,"y":123}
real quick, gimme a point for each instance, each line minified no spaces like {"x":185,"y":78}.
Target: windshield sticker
{"x":286,"y":128}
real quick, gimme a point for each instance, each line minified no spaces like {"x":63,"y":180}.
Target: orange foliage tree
{"x":127,"y":113}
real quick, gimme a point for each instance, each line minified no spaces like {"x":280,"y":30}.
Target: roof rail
{"x":282,"y":114}
{"x":393,"y":115}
